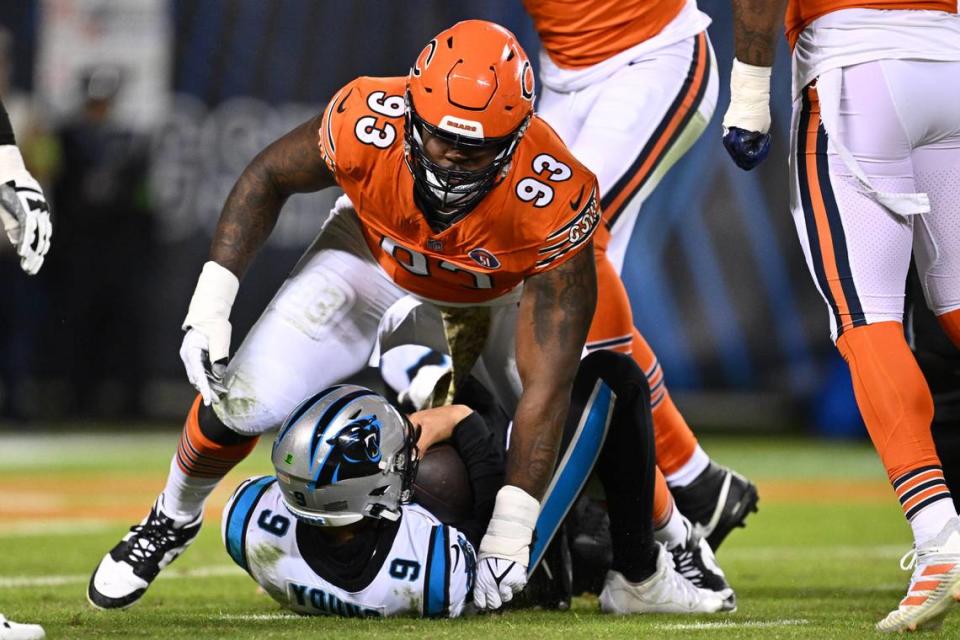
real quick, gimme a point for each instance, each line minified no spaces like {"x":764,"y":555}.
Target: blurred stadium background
{"x":139,"y":114}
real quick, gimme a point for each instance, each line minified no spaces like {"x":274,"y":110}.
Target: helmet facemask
{"x":450,"y":194}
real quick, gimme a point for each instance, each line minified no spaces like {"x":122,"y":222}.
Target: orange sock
{"x":951,"y":326}
{"x":897,"y":408}
{"x":662,"y":501}
{"x":200,"y":457}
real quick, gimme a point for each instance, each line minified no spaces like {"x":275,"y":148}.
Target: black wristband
{"x":6,"y":129}
{"x":470,"y":433}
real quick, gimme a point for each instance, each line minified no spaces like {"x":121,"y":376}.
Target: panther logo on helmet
{"x":355,"y":453}
{"x":344,"y":454}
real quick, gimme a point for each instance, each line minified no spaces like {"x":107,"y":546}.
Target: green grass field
{"x":820,"y":560}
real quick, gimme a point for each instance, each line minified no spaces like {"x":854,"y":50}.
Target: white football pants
{"x":900,"y":122}
{"x":335,"y":313}
{"x":633,"y":125}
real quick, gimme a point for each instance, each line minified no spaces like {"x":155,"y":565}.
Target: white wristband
{"x":749,"y":98}
{"x":213,"y":298}
{"x":511,"y":527}
{"x":11,"y":162}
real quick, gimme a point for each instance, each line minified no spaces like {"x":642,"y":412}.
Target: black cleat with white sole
{"x":716,"y":502}
{"x":125,"y":573}
{"x":694,"y":560}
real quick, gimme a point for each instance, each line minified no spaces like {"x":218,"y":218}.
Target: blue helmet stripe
{"x":331,"y":414}
{"x":328,"y":417}
{"x":304,"y":407}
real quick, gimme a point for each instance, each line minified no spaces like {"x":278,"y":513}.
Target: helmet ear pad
{"x":345,"y":454}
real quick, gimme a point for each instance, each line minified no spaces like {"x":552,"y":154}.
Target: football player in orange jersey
{"x":630,"y":85}
{"x":455,"y":196}
{"x":875,"y":177}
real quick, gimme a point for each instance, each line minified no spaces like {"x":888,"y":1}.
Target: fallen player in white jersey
{"x":334,"y":532}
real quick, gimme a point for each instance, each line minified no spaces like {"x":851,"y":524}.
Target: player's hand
{"x":205,"y":375}
{"x":498,"y":580}
{"x":206,"y":345}
{"x":505,"y":548}
{"x":746,"y":124}
{"x":23,"y":211}
{"x":436,"y":425}
{"x":747,"y":148}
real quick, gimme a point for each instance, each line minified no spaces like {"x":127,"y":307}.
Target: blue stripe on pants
{"x":574,"y":469}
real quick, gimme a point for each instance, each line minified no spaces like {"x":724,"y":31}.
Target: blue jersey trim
{"x":436,"y":585}
{"x":239,"y":517}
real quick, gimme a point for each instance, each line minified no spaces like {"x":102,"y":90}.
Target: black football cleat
{"x":716,"y":502}
{"x":123,"y":575}
{"x":694,"y":560}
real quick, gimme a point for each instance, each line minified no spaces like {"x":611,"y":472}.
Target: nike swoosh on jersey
{"x":456,"y":561}
{"x":575,"y":203}
{"x":340,"y":108}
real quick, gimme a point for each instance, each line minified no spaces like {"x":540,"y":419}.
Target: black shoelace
{"x":151,"y":540}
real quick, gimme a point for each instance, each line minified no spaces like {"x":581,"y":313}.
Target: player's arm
{"x":483,"y":457}
{"x":746,"y":123}
{"x":24,"y":213}
{"x":555,"y":313}
{"x":292,"y":164}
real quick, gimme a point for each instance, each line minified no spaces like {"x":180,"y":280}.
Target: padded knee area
{"x":215,"y":430}
{"x":892,"y":394}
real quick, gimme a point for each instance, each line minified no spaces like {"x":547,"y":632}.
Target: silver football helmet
{"x":345,"y":454}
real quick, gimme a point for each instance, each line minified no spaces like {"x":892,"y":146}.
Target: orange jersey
{"x":581,"y":33}
{"x":539,"y":216}
{"x":800,"y":13}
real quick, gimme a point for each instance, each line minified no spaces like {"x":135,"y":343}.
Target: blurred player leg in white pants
{"x":631,"y":127}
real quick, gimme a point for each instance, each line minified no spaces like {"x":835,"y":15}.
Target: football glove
{"x":23,"y":210}
{"x":206,"y":344}
{"x":746,"y":124}
{"x":505,"y":548}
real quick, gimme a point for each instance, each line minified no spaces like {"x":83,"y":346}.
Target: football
{"x":443,"y":486}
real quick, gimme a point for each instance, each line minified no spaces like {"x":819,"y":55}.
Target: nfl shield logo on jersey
{"x":484,"y":258}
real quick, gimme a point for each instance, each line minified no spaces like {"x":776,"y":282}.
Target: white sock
{"x":674,"y":532}
{"x":690,"y":469}
{"x":930,"y":521}
{"x":183,"y":497}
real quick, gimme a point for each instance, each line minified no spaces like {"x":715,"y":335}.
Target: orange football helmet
{"x":471,"y":86}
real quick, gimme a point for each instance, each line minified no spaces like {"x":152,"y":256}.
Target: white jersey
{"x":427,"y":571}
